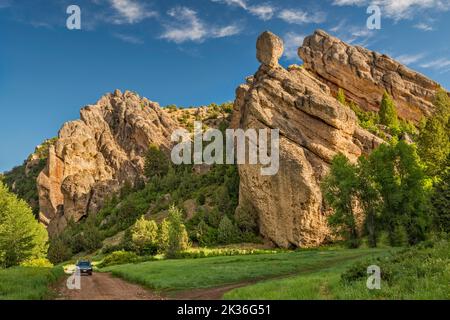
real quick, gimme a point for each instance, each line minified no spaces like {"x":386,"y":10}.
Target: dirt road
{"x":103,"y":286}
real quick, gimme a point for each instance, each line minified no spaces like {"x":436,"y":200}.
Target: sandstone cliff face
{"x":365,"y":75}
{"x":313,"y":128}
{"x":94,"y":156}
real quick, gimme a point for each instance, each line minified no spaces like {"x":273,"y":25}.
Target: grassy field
{"x":27,"y":283}
{"x":209,"y":272}
{"x":415,"y":273}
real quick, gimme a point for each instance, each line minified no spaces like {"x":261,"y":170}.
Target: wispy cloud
{"x":410,"y":58}
{"x":187,"y":26}
{"x":400,"y":9}
{"x":263,"y":11}
{"x":296,"y":16}
{"x":292,"y":41}
{"x":128,"y":38}
{"x":301,"y":17}
{"x":437,"y":64}
{"x":424,"y":27}
{"x":5,"y":3}
{"x":131,"y":11}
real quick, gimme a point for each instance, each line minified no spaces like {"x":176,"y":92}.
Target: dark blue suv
{"x":85,"y":267}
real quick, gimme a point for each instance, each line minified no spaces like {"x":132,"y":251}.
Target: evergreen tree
{"x":178,"y":237}
{"x":434,"y":137}
{"x":163,"y":236}
{"x":339,"y":189}
{"x":156,"y":162}
{"x":22,"y":237}
{"x":227,"y":232}
{"x":388,"y":112}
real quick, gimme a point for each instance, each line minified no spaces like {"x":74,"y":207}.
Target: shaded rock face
{"x":94,"y":156}
{"x":365,"y":75}
{"x":314,"y":127}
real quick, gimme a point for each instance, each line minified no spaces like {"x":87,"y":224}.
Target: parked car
{"x":85,"y":267}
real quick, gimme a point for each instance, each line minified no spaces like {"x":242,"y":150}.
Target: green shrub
{"x":144,"y":235}
{"x":119,"y":257}
{"x":39,"y":262}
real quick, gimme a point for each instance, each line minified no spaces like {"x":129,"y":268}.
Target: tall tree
{"x":388,"y":112}
{"x":22,"y":237}
{"x":339,"y":188}
{"x":401,"y":181}
{"x":370,"y":200}
{"x":178,"y":237}
{"x":434,"y":138}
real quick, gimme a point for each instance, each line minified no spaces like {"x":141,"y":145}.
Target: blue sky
{"x":189,"y":52}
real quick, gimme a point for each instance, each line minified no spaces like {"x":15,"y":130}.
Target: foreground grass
{"x":209,"y":272}
{"x":415,"y":273}
{"x":27,"y":283}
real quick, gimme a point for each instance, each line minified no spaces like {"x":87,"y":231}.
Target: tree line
{"x":400,"y":189}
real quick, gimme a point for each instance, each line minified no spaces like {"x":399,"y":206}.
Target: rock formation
{"x":94,"y":156}
{"x":365,"y":75}
{"x":313,"y":128}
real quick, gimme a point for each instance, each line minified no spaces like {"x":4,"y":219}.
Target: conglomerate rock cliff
{"x":97,"y":154}
{"x":314,"y":127}
{"x":364,"y":75}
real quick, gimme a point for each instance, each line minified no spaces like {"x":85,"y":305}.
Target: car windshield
{"x":84,"y":264}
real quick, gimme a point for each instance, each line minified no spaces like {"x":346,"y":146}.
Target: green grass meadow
{"x":184,"y":274}
{"x":28,"y":283}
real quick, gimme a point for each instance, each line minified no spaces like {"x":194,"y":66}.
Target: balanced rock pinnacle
{"x":269,"y":49}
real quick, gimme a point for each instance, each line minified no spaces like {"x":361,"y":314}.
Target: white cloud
{"x":424,"y":27}
{"x":292,"y":42}
{"x":263,"y":11}
{"x":128,"y":38}
{"x":226,"y":31}
{"x":301,"y":17}
{"x":410,"y":58}
{"x":400,"y":9}
{"x":130,"y":11}
{"x":437,"y":64}
{"x":187,"y":26}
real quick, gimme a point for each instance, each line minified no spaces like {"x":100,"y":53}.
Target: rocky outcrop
{"x":94,"y":156}
{"x":365,"y":75}
{"x":314,"y":127}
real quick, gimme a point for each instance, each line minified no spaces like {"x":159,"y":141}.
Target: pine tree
{"x":178,"y":237}
{"x":388,"y":112}
{"x":227,"y":232}
{"x":163,"y":236}
{"x":434,"y":138}
{"x":22,"y":237}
